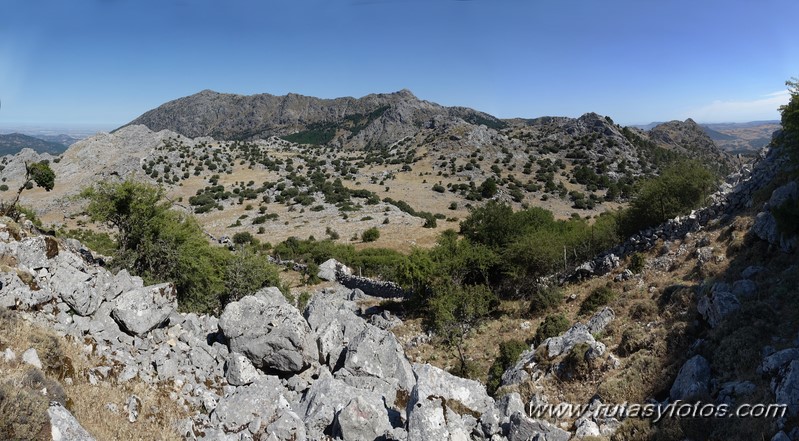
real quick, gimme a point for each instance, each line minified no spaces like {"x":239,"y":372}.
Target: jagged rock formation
{"x":261,"y":371}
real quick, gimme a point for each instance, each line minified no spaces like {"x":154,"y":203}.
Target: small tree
{"x":39,"y":173}
{"x":454,"y":312}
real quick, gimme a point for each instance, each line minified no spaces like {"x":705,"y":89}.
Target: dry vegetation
{"x":99,"y":408}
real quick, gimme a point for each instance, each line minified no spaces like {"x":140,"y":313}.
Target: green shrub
{"x":162,"y":245}
{"x":246,"y":272}
{"x":599,"y":297}
{"x":370,"y":235}
{"x":545,"y":298}
{"x":552,"y":326}
{"x":637,"y":262}
{"x":243,"y":237}
{"x":681,"y":187}
{"x":509,"y":352}
{"x":3,"y":187}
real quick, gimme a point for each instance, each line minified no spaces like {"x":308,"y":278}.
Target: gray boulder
{"x":270,"y":332}
{"x":64,"y":426}
{"x":432,"y":420}
{"x":744,"y":289}
{"x":436,"y":400}
{"x":331,"y":316}
{"x":765,"y":226}
{"x":240,"y":370}
{"x":326,"y":397}
{"x":579,"y":333}
{"x":435,"y":382}
{"x":15,"y":292}
{"x":523,"y":428}
{"x":693,"y":380}
{"x":141,"y":310}
{"x":715,"y":307}
{"x":361,"y":419}
{"x":76,"y":289}
{"x":287,"y":426}
{"x":259,"y":400}
{"x":35,"y":252}
{"x":375,"y":352}
{"x":122,"y":282}
{"x":31,"y":357}
{"x":780,"y":436}
{"x":600,"y":320}
{"x":787,"y":391}
{"x":776,"y":361}
{"x":330,"y":268}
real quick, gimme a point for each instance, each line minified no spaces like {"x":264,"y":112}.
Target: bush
{"x":245,"y":273}
{"x":552,"y":326}
{"x":637,"y":262}
{"x":680,"y":188}
{"x":509,"y":352}
{"x":545,"y":298}
{"x":162,"y":245}
{"x":370,"y":235}
{"x":3,"y":187}
{"x":598,"y":297}
{"x":439,"y":188}
{"x":243,"y":237}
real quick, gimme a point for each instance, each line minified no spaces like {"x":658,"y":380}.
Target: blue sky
{"x":104,"y":62}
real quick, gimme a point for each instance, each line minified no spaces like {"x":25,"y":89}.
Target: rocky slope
{"x":263,"y":370}
{"x":382,"y":120}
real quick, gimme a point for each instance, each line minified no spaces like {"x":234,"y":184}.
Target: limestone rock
{"x":240,"y":370}
{"x":330,"y":268}
{"x":326,"y":397}
{"x":715,"y":307}
{"x":31,"y":357}
{"x":693,"y":380}
{"x":361,"y":419}
{"x":261,"y":399}
{"x":64,"y":426}
{"x":600,"y":320}
{"x":579,"y":333}
{"x":143,"y":309}
{"x":270,"y":332}
{"x":435,"y":382}
{"x":523,"y":428}
{"x":76,"y":289}
{"x":377,"y":353}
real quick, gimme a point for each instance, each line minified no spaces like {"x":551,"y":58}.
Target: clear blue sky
{"x":108,"y":61}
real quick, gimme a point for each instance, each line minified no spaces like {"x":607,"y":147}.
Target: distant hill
{"x":371,"y":121}
{"x":13,"y":143}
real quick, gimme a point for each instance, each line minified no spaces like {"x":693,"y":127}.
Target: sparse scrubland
{"x":500,"y":293}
